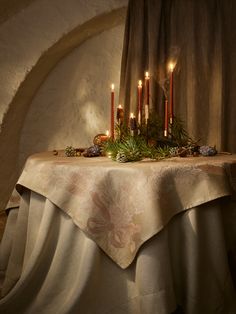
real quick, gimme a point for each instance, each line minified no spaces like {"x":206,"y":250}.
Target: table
{"x":94,"y":236}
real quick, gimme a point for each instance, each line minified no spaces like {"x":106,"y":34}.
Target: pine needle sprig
{"x":111,"y":148}
{"x":127,"y":147}
{"x":178,"y":132}
{"x":163,"y":152}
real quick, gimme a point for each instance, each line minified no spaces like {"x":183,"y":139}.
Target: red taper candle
{"x":171,"y":67}
{"x":140,"y":87}
{"x":146,"y":97}
{"x":166,"y":118}
{"x":112,"y":110}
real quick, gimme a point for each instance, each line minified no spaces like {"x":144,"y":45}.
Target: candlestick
{"x":166,"y":118}
{"x":171,"y":67}
{"x":147,"y":97}
{"x":120,"y":121}
{"x":120,"y":115}
{"x":133,"y":124}
{"x":112,"y":109}
{"x":140,"y":102}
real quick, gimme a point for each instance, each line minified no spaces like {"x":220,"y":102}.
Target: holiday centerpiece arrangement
{"x":146,"y":136}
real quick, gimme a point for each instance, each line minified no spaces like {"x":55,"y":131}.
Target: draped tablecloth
{"x":123,"y":209}
{"x":120,"y":206}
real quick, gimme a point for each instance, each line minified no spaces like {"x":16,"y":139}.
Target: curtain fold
{"x":200,"y":37}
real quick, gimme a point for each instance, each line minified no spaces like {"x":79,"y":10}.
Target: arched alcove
{"x":18,"y":108}
{"x":73,"y":103}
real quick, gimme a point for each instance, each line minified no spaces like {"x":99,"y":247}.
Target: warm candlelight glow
{"x":109,"y":154}
{"x":139,"y":84}
{"x":171,"y":66}
{"x":120,"y":106}
{"x":131,"y":115}
{"x":107,"y":133}
{"x":147,"y":76}
{"x":112,"y":87}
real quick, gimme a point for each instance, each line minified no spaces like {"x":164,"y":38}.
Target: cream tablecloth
{"x":50,"y":265}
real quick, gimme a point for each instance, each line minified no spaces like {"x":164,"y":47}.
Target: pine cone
{"x":182,"y":152}
{"x":173,"y":151}
{"x":207,"y":151}
{"x":70,"y":151}
{"x":121,"y":157}
{"x":92,"y":151}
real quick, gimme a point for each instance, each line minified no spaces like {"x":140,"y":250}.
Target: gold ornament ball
{"x":98,"y":139}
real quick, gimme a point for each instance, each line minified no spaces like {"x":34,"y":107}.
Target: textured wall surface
{"x":73,"y":104}
{"x":34,"y":38}
{"x":27,"y":35}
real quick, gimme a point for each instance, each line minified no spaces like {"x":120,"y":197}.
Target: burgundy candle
{"x":140,"y":102}
{"x":120,"y":115}
{"x":166,"y":118}
{"x":133,"y":124}
{"x":112,"y":110}
{"x":147,"y":97}
{"x":171,"y":67}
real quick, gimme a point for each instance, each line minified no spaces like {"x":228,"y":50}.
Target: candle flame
{"x":131,"y":115}
{"x":107,"y":133}
{"x":112,"y":87}
{"x":139,"y":84}
{"x":171,"y":66}
{"x":146,"y":75}
{"x":120,"y":106}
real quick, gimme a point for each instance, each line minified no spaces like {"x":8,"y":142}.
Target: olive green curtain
{"x":200,"y":36}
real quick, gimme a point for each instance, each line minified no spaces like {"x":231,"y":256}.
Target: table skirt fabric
{"x":48,"y":265}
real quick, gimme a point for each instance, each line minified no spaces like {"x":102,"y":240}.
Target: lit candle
{"x":166,"y":118}
{"x":112,"y":110}
{"x":120,"y":115}
{"x":147,"y":97}
{"x":140,"y":102}
{"x":133,"y":124}
{"x":171,"y":68}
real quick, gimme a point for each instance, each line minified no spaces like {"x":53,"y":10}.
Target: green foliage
{"x":149,"y":143}
{"x":178,"y":133}
{"x":130,"y":146}
{"x":135,"y":148}
{"x":122,"y":131}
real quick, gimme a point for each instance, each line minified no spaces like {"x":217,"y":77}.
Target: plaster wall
{"x":34,"y":37}
{"x":26,"y":36}
{"x":73,"y":104}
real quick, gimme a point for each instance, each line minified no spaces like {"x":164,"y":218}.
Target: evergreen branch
{"x":134,"y":148}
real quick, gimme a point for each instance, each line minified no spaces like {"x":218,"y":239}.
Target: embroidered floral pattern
{"x":113,"y":223}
